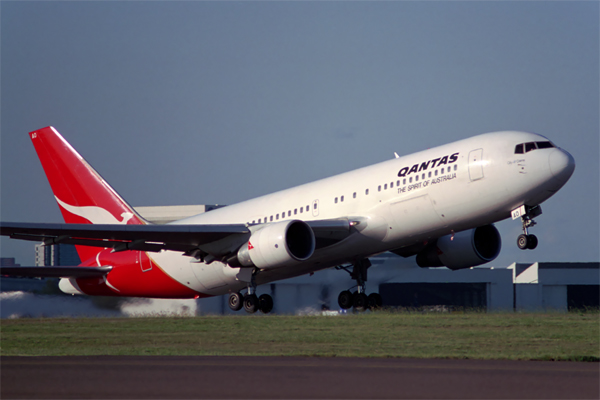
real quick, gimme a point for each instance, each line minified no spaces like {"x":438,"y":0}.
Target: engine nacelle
{"x":466,"y":249}
{"x":277,"y":245}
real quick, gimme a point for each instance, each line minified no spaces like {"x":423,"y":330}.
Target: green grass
{"x":475,"y":335}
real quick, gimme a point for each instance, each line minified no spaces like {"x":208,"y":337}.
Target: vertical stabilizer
{"x":83,"y":196}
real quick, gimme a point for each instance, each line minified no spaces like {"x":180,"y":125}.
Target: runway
{"x":146,"y":377}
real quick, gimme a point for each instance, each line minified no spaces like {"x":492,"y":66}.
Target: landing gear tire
{"x":361,"y":302}
{"x":522,"y":242}
{"x":532,"y":242}
{"x":251,"y":303}
{"x":345,"y":300}
{"x":527,"y":242}
{"x":236,"y":301}
{"x":375,"y":301}
{"x":265,"y":303}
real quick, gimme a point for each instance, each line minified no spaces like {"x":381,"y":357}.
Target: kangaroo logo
{"x":95,"y":215}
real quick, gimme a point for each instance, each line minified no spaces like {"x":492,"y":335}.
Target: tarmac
{"x":182,"y":377}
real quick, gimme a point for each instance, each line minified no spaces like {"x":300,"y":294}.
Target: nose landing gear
{"x":526,"y":241}
{"x":359,"y":300}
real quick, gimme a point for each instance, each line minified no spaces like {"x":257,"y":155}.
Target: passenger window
{"x":314,"y":206}
{"x":529,"y":146}
{"x":398,"y":182}
{"x":455,"y":167}
{"x":295,"y":211}
{"x":429,"y":175}
{"x":354,"y":195}
{"x":259,"y":220}
{"x":423,"y":176}
{"x":342,"y":198}
{"x":271,"y":218}
{"x":385,"y":187}
{"x":308,"y":207}
{"x":276,"y":216}
{"x":404,"y":181}
{"x":301,"y":210}
{"x":519,"y":149}
{"x":435,"y":172}
{"x":416,"y":178}
{"x":391,"y":185}
{"x":335,"y":201}
{"x":379,"y":188}
{"x":442,"y":170}
{"x":367,"y":192}
{"x":289,"y":213}
{"x":410,"y":180}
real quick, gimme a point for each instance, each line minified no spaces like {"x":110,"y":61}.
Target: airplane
{"x":438,"y":204}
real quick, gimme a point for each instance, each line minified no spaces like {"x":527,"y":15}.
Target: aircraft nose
{"x":562,"y":164}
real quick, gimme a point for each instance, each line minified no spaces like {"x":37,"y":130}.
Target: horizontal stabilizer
{"x":56,"y":272}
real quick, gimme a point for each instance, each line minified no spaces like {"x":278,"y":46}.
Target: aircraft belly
{"x":217,"y":278}
{"x":181,"y":269}
{"x":210,"y":279}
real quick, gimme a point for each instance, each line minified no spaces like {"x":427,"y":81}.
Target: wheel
{"x":532,"y":242}
{"x":236,"y":301}
{"x":375,"y":301}
{"x":251,"y":303}
{"x":345,"y":300}
{"x":361,"y":302}
{"x":522,"y":242}
{"x":265,"y":303}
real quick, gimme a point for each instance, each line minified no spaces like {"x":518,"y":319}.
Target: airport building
{"x":518,"y":287}
{"x":55,"y":255}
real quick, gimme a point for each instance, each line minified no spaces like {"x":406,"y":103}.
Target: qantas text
{"x":436,"y":162}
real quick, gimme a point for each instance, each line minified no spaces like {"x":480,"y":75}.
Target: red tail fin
{"x":83,"y":196}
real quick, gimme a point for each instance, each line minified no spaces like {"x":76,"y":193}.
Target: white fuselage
{"x":400,"y":202}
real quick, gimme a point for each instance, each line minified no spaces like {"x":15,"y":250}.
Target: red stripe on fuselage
{"x":129,"y":279}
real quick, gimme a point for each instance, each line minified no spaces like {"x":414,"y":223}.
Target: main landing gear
{"x":359,"y":299}
{"x":250,"y":302}
{"x":526,"y":241}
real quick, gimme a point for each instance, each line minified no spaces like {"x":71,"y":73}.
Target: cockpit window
{"x":544,"y":145}
{"x":529,"y":146}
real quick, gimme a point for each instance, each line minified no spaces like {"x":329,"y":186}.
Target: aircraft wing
{"x":56,"y":272}
{"x":217,"y":240}
{"x":126,"y":237}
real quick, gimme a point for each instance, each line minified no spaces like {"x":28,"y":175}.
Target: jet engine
{"x":277,"y":245}
{"x":463,"y":250}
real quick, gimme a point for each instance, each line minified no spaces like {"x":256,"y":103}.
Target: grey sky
{"x":218,"y":102}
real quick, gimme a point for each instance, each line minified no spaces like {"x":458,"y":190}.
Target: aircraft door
{"x":476,"y":164}
{"x":315,"y":208}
